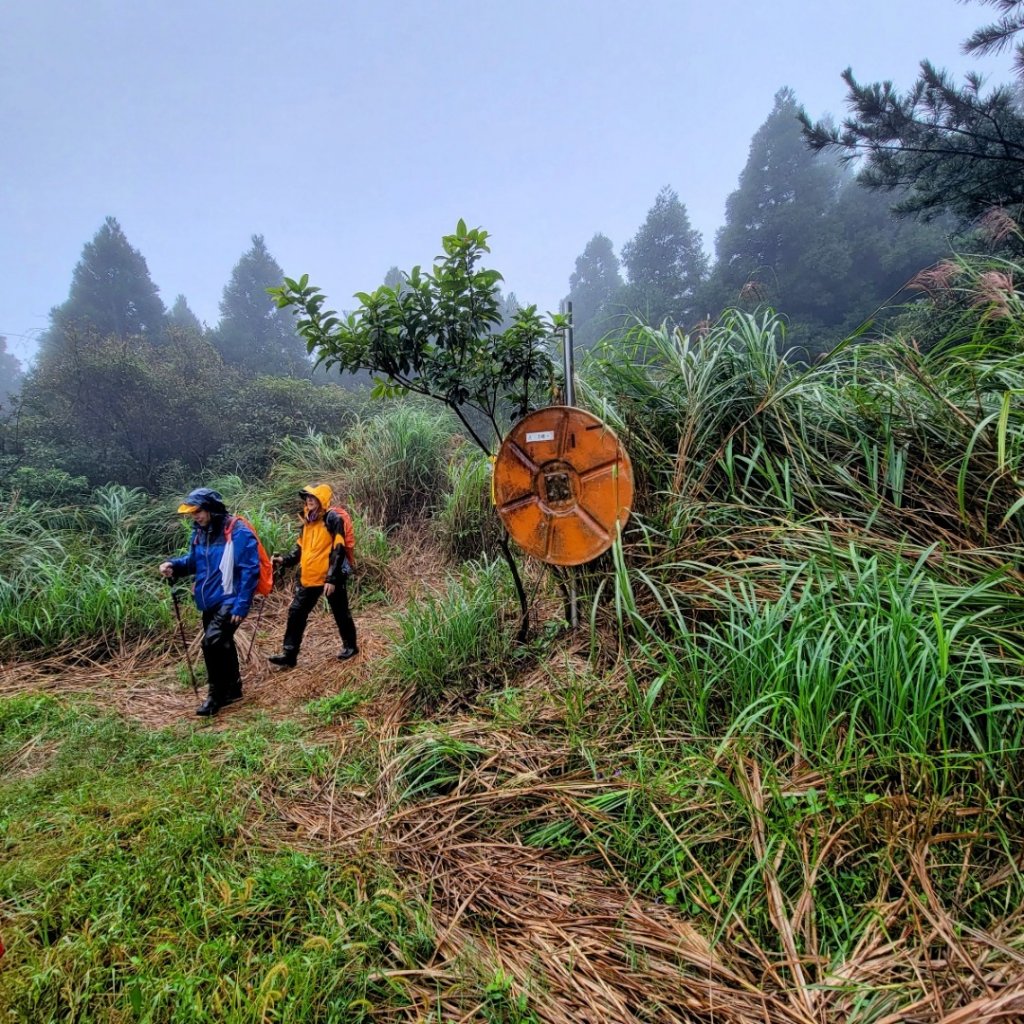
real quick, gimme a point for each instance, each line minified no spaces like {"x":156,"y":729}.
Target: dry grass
{"x":571,"y":935}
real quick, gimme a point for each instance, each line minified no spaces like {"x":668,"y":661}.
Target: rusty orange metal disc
{"x":563,"y":483}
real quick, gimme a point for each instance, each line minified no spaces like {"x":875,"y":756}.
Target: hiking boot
{"x":347,"y":652}
{"x":207,"y":708}
{"x":282,"y":660}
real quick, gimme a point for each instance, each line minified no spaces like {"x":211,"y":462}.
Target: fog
{"x":352,"y":136}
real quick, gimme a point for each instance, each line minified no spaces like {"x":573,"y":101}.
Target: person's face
{"x":312,"y":506}
{"x":201,"y":517}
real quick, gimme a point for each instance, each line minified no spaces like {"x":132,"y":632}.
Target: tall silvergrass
{"x":397,"y":462}
{"x":448,"y":647}
{"x":465,"y":524}
{"x":300,"y":461}
{"x":126,"y":518}
{"x":853,"y":659}
{"x":80,"y":604}
{"x":924,"y":446}
{"x":83,"y":578}
{"x":825,"y":556}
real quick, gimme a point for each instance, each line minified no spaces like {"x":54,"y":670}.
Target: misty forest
{"x":760,"y":761}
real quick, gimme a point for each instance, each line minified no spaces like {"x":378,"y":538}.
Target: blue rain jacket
{"x":224,"y":572}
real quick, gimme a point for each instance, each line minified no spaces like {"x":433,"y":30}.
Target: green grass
{"x":130,"y":888}
{"x":338,"y":705}
{"x":451,"y":646}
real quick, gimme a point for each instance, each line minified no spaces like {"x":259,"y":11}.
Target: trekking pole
{"x":255,"y":628}
{"x":181,"y":629}
{"x":259,"y":615}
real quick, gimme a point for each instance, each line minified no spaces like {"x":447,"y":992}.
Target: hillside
{"x":773,"y":776}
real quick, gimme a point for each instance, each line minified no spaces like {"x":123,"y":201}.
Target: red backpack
{"x":348,"y":534}
{"x":265,"y":584}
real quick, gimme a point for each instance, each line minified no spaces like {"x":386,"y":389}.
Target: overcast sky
{"x":353,"y":135}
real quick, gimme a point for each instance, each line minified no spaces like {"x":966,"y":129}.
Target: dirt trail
{"x":148,"y":687}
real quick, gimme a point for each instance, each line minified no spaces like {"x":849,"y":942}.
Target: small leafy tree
{"x":436,"y":334}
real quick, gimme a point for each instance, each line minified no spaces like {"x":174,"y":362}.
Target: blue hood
{"x":205,"y":497}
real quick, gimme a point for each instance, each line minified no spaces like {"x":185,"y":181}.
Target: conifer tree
{"x":593,"y":287}
{"x":775,"y":214}
{"x":253,"y":334}
{"x":802,"y":236}
{"x":666,"y":263}
{"x":394,"y":278}
{"x":10,"y":373}
{"x":112,"y":294}
{"x":182,"y":317}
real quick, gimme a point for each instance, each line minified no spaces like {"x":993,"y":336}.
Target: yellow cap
{"x":187,"y":509}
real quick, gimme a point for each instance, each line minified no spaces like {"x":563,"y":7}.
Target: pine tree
{"x":182,"y":317}
{"x":253,"y":334}
{"x":942,"y":148}
{"x":593,"y":286}
{"x":666,"y":263}
{"x":112,"y":294}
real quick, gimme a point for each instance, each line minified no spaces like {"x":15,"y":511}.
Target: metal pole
{"x":567,"y":356}
{"x":569,"y":369}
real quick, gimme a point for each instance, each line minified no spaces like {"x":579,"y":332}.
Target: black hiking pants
{"x":304,"y":602}
{"x":221,"y":655}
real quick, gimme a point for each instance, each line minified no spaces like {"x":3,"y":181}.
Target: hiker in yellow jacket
{"x":324,"y":564}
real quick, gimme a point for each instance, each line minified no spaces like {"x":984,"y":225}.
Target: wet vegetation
{"x":775,"y":775}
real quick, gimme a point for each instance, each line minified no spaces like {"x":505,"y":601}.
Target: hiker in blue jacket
{"x":224,"y":558}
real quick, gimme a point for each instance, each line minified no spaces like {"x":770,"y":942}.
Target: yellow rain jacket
{"x":317,"y":544}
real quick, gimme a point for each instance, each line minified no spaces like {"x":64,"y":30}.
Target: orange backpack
{"x":265,"y":584}
{"x":348,"y":534}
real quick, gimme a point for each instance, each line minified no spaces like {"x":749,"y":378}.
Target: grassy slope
{"x":332,"y":850}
